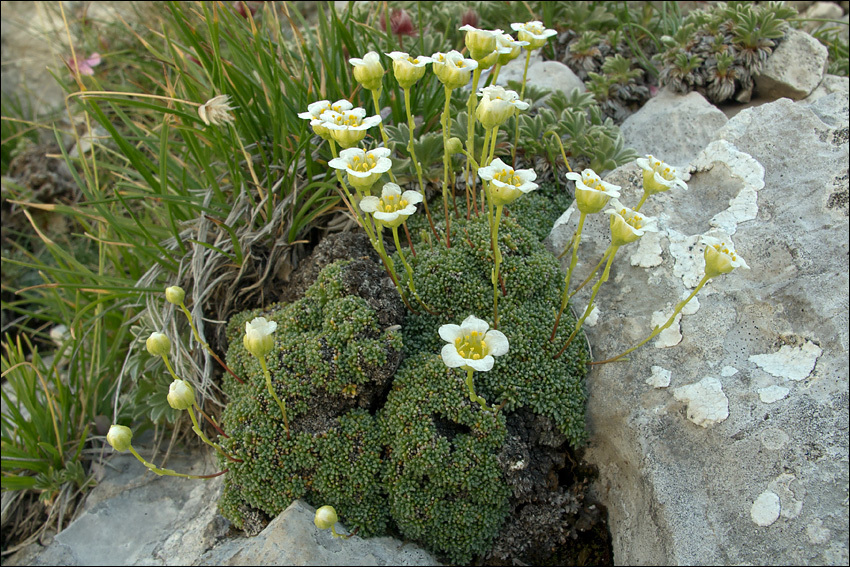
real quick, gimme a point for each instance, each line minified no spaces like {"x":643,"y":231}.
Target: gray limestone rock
{"x":739,"y":455}
{"x":830,"y":84}
{"x":673,"y":127}
{"x":543,"y":74}
{"x":795,"y":69}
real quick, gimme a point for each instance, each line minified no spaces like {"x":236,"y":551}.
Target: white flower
{"x":349,"y":126}
{"x":407,"y":69}
{"x":393,"y":208}
{"x":363,"y":168}
{"x":592,"y":194}
{"x":216,"y":111}
{"x":534,"y":33}
{"x":368,"y":71}
{"x":315,"y":111}
{"x":452,"y":69}
{"x":720,"y":257}
{"x":506,"y":184}
{"x":508,"y":48}
{"x":259,"y":339}
{"x":471,"y":345}
{"x":628,"y":225}
{"x":658,"y":176}
{"x":497,"y":105}
{"x":480,"y":43}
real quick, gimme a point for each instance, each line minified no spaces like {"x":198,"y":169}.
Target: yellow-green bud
{"x":259,"y":337}
{"x":174,"y":294}
{"x":368,"y":71}
{"x":454,"y":146}
{"x":488,"y":60}
{"x":325,"y":517}
{"x":181,"y":396}
{"x":158,"y":344}
{"x":480,"y":43}
{"x":120,"y":437}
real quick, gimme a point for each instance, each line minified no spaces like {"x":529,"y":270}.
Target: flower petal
{"x":482,"y":365}
{"x":497,"y":342}
{"x":450,"y":356}
{"x":369,"y":204}
{"x":449,"y":332}
{"x":473,"y":323}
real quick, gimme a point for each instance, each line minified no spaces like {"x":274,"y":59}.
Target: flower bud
{"x":368,"y":71}
{"x":259,"y":338}
{"x":480,"y":43}
{"x":174,"y":294}
{"x":120,"y":437}
{"x":158,"y":344}
{"x":181,"y":396}
{"x":325,"y":517}
{"x":454,"y":146}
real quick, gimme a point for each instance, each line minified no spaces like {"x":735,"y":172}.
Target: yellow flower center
{"x":633,"y":220}
{"x":389,"y":205}
{"x":508,"y":177}
{"x":724,"y":250}
{"x":534,"y":29}
{"x":592,"y":182}
{"x":414,"y":60}
{"x":472,"y":346}
{"x":366,"y":164}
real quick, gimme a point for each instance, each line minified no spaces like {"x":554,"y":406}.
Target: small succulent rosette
{"x":658,"y":176}
{"x":363,"y":168}
{"x":505,"y":184}
{"x":535,"y":33}
{"x":368,"y":71}
{"x":592,"y":194}
{"x":472,"y":344}
{"x":721,"y":257}
{"x":452,"y":69}
{"x":408,"y":70}
{"x":628,"y":225}
{"x":393,"y":207}
{"x":497,"y":105}
{"x":348,"y":127}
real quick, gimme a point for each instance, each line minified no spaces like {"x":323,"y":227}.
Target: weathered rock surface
{"x":134,"y":517}
{"x":673,"y":127}
{"x":794,"y":69}
{"x":731,"y":447}
{"x":830,"y":84}
{"x":542,"y":74}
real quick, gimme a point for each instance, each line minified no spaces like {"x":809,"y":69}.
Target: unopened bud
{"x":181,"y":396}
{"x":454,"y":146}
{"x":158,"y":344}
{"x":325,"y":517}
{"x":174,"y":294}
{"x":119,"y":437}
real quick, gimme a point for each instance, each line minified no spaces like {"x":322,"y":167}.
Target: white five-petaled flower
{"x":480,"y":43}
{"x":407,"y":69}
{"x":393,"y":208}
{"x":497,"y":105}
{"x":368,"y":71}
{"x":315,"y":111}
{"x":452,"y":69}
{"x":534,"y":33}
{"x":216,"y":111}
{"x":658,"y":176}
{"x":720,"y":257}
{"x":592,"y":194}
{"x":259,"y":336}
{"x":472,"y":345}
{"x":505,"y":183}
{"x":508,"y":48}
{"x":363,"y":168}
{"x":349,"y":126}
{"x":628,"y":225}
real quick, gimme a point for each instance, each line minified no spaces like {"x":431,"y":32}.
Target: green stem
{"x":168,"y":365}
{"x":409,"y":271}
{"x":376,"y":94}
{"x":612,"y":252}
{"x":657,"y":330}
{"x":280,"y":403}
{"x":411,"y":125}
{"x":388,"y":262}
{"x":205,"y":345}
{"x":495,"y":73}
{"x":642,"y":201}
{"x":497,"y":257}
{"x":471,"y":104}
{"x":516,"y":111}
{"x":472,"y":395}
{"x":197,"y":429}
{"x":168,"y":472}
{"x":590,"y":277}
{"x":568,"y":277}
{"x":444,"y":121}
{"x":360,"y":220}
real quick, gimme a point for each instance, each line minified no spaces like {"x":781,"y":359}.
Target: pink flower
{"x":400,"y":23}
{"x":84,"y":67}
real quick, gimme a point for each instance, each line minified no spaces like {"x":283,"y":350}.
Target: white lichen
{"x":672,"y":335}
{"x":794,"y":363}
{"x":660,"y":377}
{"x":707,"y":404}
{"x":772,"y":393}
{"x":765,"y":510}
